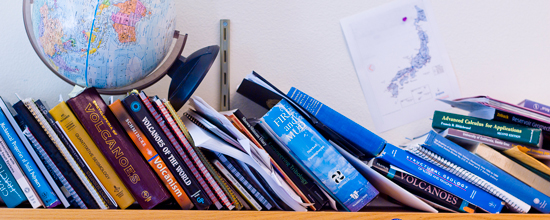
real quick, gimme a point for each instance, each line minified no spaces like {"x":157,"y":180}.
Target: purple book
{"x":535,"y":106}
{"x":103,"y":127}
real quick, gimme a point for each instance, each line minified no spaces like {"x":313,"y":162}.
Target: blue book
{"x":432,"y":174}
{"x":368,"y":143}
{"x":484,"y":169}
{"x":318,"y":156}
{"x":27,"y":164}
{"x":10,"y":192}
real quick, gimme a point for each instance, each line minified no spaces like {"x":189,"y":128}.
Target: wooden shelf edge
{"x":22,"y":213}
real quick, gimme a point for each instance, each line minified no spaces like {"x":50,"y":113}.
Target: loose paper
{"x":400,"y":61}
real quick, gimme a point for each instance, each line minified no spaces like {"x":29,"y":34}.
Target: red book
{"x":111,"y":139}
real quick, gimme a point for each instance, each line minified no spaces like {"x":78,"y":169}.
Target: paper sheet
{"x":400,"y":62}
{"x":209,"y":141}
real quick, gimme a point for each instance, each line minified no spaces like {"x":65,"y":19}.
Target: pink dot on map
{"x":404,"y":19}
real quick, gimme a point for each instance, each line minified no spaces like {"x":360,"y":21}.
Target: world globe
{"x":103,"y":43}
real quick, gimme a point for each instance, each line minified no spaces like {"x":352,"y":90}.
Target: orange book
{"x":150,"y":154}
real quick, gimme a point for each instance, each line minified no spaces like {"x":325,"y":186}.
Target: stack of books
{"x":300,"y":155}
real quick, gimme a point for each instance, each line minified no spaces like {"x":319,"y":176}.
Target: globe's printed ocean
{"x":104,"y":43}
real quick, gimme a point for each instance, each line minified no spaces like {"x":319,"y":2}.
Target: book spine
{"x":162,"y":123}
{"x":505,"y":131}
{"x":506,"y":117}
{"x":56,"y":189}
{"x":495,"y":142}
{"x":151,"y":155}
{"x":441,"y":178}
{"x":10,"y":192}
{"x":193,"y":155}
{"x":69,"y":153}
{"x":239,"y":174}
{"x":240,"y":122}
{"x":478,"y":166}
{"x":513,"y":203}
{"x":536,"y":106}
{"x":84,"y":145}
{"x":294,"y":171}
{"x":513,"y":168}
{"x":221,"y":182}
{"x":102,"y":126}
{"x":237,"y":185}
{"x":73,"y":198}
{"x":82,"y":188}
{"x":369,"y":143}
{"x":420,"y":187}
{"x":28,"y":165}
{"x":312,"y":149}
{"x":160,"y":142}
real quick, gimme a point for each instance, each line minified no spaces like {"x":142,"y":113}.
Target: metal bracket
{"x":224,"y":63}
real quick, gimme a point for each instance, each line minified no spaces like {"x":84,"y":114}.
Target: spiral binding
{"x":466,"y":175}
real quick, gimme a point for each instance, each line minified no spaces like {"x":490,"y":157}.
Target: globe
{"x":103,"y":43}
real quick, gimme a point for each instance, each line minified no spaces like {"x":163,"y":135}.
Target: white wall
{"x":498,"y":48}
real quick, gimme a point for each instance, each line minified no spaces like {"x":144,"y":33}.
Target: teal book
{"x":27,"y":164}
{"x":10,"y":192}
{"x":505,"y":131}
{"x":319,"y":157}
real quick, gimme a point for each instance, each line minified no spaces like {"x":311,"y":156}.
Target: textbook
{"x":535,"y":106}
{"x":24,"y":159}
{"x":350,"y":188}
{"x":145,"y":121}
{"x":10,"y":192}
{"x":505,"y":131}
{"x":493,"y":109}
{"x":440,"y":178}
{"x":150,"y":154}
{"x":39,"y":126}
{"x":116,"y":146}
{"x":422,"y":188}
{"x":84,"y":190}
{"x":478,"y":166}
{"x":91,"y":153}
{"x":368,"y":142}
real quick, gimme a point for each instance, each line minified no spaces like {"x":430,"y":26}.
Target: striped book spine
{"x":48,"y":161}
{"x":223,"y":184}
{"x":63,"y":149}
{"x":179,"y":149}
{"x":512,"y":202}
{"x":197,"y":161}
{"x":243,"y":180}
{"x":237,"y":185}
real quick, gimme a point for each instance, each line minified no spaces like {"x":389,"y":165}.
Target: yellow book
{"x":92,"y":155}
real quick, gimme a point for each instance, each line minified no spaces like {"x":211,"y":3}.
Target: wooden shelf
{"x":23,"y":213}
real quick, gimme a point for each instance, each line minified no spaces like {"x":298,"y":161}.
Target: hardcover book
{"x":151,"y":155}
{"x":10,"y":192}
{"x":505,"y":131}
{"x":492,"y":109}
{"x":478,"y":166}
{"x":76,"y":164}
{"x":138,"y":111}
{"x":240,"y":188}
{"x":314,"y":151}
{"x":368,"y":142}
{"x":91,"y":153}
{"x":102,"y":126}
{"x":441,"y":178}
{"x":191,"y":153}
{"x":535,"y":106}
{"x":240,"y":122}
{"x":24,"y":159}
{"x":422,"y":188}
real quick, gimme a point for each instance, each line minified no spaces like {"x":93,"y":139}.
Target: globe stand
{"x":186,"y":73}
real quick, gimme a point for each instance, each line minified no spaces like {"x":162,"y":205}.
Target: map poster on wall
{"x":400,"y":61}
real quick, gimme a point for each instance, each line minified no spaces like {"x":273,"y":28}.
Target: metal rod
{"x":224,"y":64}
